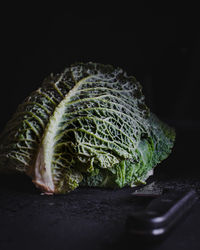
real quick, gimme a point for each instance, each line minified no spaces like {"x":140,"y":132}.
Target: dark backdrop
{"x":158,"y":44}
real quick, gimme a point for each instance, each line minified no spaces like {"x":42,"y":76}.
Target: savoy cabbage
{"x":87,"y":126}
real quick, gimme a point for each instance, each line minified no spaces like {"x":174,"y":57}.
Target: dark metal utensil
{"x":161,"y":215}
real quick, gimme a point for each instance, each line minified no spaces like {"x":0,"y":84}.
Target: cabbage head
{"x":87,"y":126}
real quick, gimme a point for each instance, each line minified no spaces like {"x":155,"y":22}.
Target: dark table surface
{"x":95,"y":218}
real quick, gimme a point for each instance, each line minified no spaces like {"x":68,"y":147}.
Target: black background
{"x":157,"y":43}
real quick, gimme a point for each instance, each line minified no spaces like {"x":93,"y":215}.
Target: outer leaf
{"x":23,"y":133}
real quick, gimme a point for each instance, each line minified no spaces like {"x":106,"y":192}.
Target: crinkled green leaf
{"x":88,"y":126}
